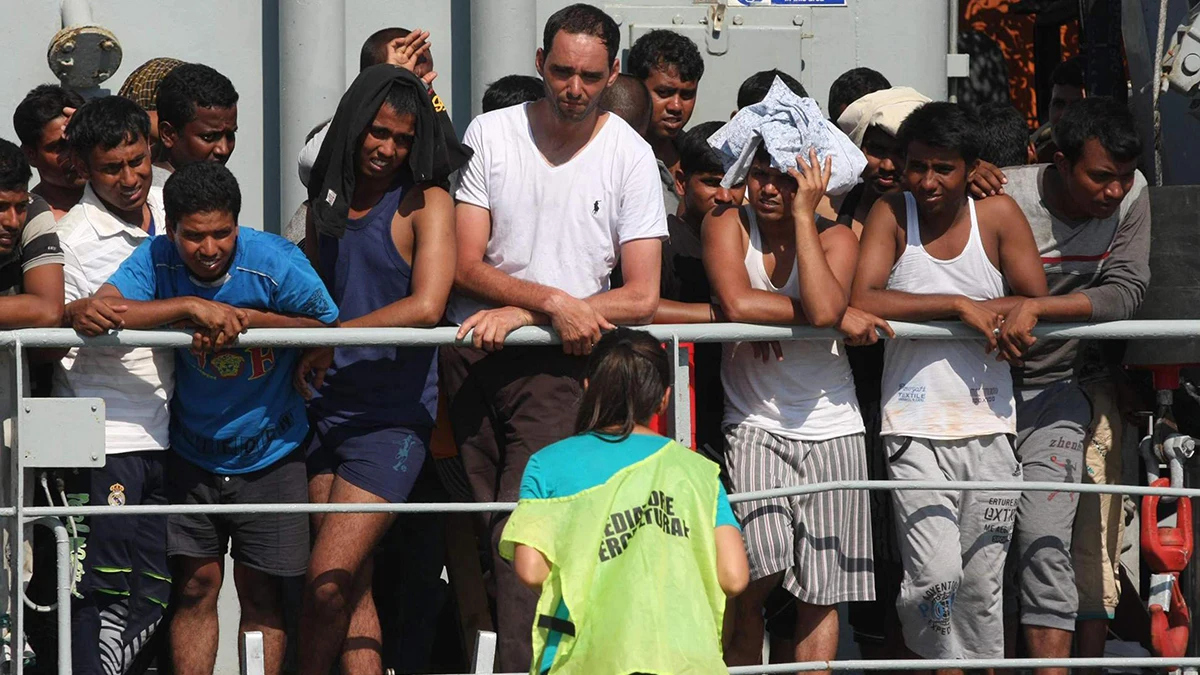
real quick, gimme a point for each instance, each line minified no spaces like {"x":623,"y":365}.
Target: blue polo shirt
{"x":235,"y":410}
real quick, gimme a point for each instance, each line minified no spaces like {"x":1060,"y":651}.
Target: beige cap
{"x":886,"y":108}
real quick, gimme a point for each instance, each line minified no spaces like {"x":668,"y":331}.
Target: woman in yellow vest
{"x":627,"y":535}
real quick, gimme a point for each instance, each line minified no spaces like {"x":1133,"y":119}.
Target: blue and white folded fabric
{"x":787,"y":125}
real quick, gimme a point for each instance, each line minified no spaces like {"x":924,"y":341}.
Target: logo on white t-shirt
{"x":596,"y":207}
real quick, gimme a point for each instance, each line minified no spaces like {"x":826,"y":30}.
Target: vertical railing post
{"x":484,"y":659}
{"x":681,"y":395}
{"x":16,"y":524}
{"x":254,"y":661}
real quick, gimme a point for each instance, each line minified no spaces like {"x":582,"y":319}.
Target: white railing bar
{"x":1154,"y":329}
{"x":491,"y":507}
{"x":964,"y":664}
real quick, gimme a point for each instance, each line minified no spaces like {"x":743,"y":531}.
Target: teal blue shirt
{"x":581,"y":462}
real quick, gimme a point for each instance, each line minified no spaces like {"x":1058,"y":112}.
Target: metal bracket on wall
{"x":716,"y":38}
{"x":62,"y":432}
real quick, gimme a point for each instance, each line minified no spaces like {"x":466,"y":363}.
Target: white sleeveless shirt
{"x":945,"y":389}
{"x":807,"y":396}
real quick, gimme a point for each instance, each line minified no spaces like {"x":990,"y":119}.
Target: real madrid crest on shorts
{"x":116,"y":495}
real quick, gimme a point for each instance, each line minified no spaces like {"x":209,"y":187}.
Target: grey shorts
{"x":275,"y":543}
{"x":1052,"y":424}
{"x":821,"y":542}
{"x":951,"y":602}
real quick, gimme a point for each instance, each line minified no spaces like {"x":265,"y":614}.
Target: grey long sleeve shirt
{"x":1106,"y":259}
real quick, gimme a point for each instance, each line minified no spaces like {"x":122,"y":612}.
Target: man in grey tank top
{"x":929,"y":253}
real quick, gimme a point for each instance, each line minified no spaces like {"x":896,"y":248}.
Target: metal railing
{"x":18,"y":515}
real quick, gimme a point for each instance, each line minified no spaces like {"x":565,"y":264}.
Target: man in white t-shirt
{"x":123,"y":575}
{"x":556,"y":193}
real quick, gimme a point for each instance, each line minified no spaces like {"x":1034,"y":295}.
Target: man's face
{"x":1061,"y":96}
{"x":770,"y":191}
{"x":576,"y":71}
{"x":206,"y":242}
{"x":885,"y":158}
{"x":120,"y":176}
{"x":386,"y":144}
{"x":937,"y":177}
{"x":702,"y":192}
{"x":209,"y":137}
{"x":672,"y":100}
{"x":13,"y":206}
{"x":53,"y":162}
{"x":1096,"y":183}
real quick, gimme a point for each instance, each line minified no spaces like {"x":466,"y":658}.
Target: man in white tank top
{"x":793,"y":418}
{"x":948,"y":412}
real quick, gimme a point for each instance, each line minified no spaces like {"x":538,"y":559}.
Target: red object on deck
{"x":1166,"y":549}
{"x":662,"y":423}
{"x":1169,"y":630}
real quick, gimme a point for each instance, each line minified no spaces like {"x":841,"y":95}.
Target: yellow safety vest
{"x":635,"y":561}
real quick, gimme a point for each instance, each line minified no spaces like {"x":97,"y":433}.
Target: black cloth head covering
{"x":435,"y":153}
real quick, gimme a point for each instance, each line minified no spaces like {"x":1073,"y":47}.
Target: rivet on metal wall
{"x":738,"y":20}
{"x":797,"y":20}
{"x":618,"y":19}
{"x":677,"y":19}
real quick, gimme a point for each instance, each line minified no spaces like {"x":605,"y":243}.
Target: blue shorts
{"x":384,"y":461}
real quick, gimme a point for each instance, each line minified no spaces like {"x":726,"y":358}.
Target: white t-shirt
{"x":560,"y":226}
{"x":135,"y":383}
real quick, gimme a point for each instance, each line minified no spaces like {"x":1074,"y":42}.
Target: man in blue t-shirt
{"x":236,"y":421}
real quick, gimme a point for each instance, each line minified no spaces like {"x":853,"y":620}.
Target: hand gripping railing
{"x":18,"y":515}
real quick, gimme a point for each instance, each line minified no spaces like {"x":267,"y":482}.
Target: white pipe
{"x":312,"y":78}
{"x":504,"y":38}
{"x":76,"y":13}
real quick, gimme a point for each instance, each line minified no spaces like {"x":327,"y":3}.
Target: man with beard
{"x":556,"y":192}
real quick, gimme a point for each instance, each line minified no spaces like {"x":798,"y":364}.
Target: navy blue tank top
{"x":374,"y":386}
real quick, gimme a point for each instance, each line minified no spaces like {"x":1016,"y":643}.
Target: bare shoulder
{"x":998,"y":214}
{"x":425,"y":197}
{"x":727,"y":217}
{"x":836,"y":235}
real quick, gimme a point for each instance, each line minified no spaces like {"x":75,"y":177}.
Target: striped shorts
{"x":821,"y":542}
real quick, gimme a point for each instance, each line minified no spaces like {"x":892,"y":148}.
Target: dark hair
{"x":661,"y":49}
{"x":513,"y":90}
{"x":586,"y":20}
{"x":755,"y":88}
{"x":628,"y":99}
{"x":627,"y":374}
{"x":41,"y":106}
{"x":403,"y":99}
{"x":106,"y":122}
{"x":853,"y":85}
{"x":942,"y":125}
{"x":201,"y":187}
{"x":190,"y":86}
{"x":1003,"y":135}
{"x":1103,"y":119}
{"x":374,"y":48}
{"x":695,"y":154}
{"x":14,"y":168}
{"x":1069,"y":73}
